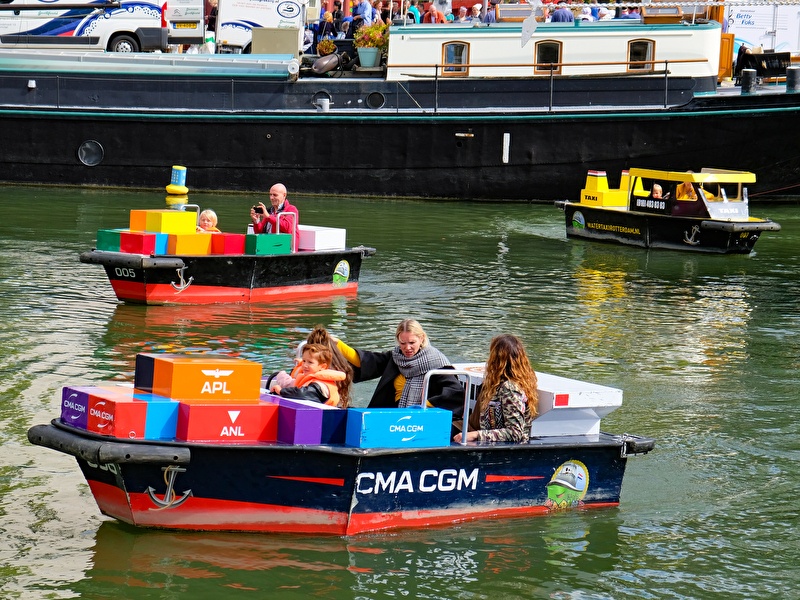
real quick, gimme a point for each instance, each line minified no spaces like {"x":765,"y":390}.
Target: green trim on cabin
{"x":393,"y":117}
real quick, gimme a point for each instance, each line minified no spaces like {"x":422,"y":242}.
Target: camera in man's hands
{"x":258,"y":210}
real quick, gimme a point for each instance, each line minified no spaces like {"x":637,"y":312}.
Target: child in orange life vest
{"x":315,"y":381}
{"x":207,"y":222}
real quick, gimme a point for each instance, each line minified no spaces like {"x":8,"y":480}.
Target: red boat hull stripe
{"x":197,"y":294}
{"x":227,"y":515}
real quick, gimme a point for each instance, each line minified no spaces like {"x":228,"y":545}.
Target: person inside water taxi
{"x":266,"y":219}
{"x":316,"y":380}
{"x":657,"y":193}
{"x":207,"y":222}
{"x":685,"y":191}
{"x":508,"y":401}
{"x":401,"y":372}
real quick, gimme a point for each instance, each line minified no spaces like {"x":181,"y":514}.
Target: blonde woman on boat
{"x":508,"y":401}
{"x":402,"y":372}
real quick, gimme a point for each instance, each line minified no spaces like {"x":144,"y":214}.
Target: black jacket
{"x":444,"y":391}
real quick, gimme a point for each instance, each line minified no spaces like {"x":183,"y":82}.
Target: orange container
{"x":201,"y":379}
{"x":189,"y":243}
{"x":138,"y":220}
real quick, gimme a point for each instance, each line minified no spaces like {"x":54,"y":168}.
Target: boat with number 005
{"x":275,"y":465}
{"x":161,"y":258}
{"x":677,"y":210}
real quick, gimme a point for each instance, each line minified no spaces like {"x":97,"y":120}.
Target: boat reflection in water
{"x":165,"y":563}
{"x":184,"y":329}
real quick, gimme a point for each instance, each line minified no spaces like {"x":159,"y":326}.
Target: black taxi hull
{"x":647,"y":230}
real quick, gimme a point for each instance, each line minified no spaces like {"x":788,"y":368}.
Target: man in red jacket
{"x":266,"y":220}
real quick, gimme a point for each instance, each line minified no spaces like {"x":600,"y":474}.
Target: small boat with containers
{"x":706,"y":211}
{"x":197,"y":443}
{"x":512,"y":110}
{"x":161,"y":258}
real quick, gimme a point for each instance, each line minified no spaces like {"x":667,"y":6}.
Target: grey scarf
{"x":414,"y":369}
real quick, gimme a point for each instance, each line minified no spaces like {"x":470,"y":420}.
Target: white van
{"x":236,"y":20}
{"x":123,"y":26}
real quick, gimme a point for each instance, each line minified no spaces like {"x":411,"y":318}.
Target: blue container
{"x":411,"y":427}
{"x":161,"y":421}
{"x":161,"y":243}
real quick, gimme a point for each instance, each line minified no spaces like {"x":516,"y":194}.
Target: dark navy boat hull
{"x":335,"y":489}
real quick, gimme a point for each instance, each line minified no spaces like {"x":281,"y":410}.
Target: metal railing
{"x":634,"y":68}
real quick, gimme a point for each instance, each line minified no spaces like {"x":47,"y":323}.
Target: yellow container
{"x":171,"y":221}
{"x":189,"y":243}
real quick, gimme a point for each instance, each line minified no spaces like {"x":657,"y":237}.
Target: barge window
{"x":641,"y":50}
{"x":548,"y":52}
{"x":455,"y":56}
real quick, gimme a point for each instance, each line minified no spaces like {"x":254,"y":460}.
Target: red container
{"x":137,"y":242}
{"x":116,"y":416}
{"x":227,"y":423}
{"x":227,"y":243}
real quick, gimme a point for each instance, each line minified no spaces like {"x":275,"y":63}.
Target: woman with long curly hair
{"x":507,"y":402}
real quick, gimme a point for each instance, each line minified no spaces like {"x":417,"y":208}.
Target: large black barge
{"x":505,"y":125}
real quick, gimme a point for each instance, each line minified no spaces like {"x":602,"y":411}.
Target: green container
{"x":108,"y":239}
{"x":268,"y":243}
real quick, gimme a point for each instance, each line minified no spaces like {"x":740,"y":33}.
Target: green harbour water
{"x":705,"y":348}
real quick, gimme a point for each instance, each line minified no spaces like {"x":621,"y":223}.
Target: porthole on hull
{"x":91,"y":153}
{"x":376,"y":100}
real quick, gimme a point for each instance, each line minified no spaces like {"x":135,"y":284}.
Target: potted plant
{"x":325,"y":47}
{"x":371,"y":42}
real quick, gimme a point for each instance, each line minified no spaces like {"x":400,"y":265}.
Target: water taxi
{"x":707,"y":211}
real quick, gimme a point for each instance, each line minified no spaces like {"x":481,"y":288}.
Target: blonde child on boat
{"x":207,"y":222}
{"x":315,"y":380}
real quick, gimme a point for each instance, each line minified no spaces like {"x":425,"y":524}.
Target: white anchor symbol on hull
{"x":170,"y":500}
{"x":689,"y":239}
{"x":183,"y":283}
